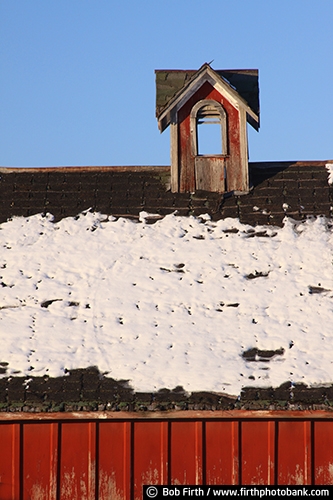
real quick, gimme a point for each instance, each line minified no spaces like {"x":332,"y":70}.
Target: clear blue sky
{"x":77,"y":80}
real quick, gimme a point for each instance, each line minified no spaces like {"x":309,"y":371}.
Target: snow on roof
{"x":184,"y":301}
{"x":329,"y":167}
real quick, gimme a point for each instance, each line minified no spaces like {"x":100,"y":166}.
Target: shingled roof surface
{"x":297,"y":189}
{"x":183,"y":327}
{"x":170,"y":82}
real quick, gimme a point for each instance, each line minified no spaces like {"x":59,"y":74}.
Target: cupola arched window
{"x":209,"y":129}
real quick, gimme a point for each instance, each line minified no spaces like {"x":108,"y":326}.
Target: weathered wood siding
{"x":232,"y":160}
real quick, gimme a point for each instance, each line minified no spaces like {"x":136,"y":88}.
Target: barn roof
{"x":171,"y":85}
{"x":30,"y":290}
{"x":277,"y":189}
{"x":156,"y":305}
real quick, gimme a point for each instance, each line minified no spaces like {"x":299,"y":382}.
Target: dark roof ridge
{"x":87,"y":168}
{"x":245,"y":71}
{"x":286,"y":163}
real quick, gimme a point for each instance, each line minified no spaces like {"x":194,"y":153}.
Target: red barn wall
{"x":119,"y":454}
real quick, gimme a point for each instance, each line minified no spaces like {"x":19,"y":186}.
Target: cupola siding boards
{"x":208,"y":111}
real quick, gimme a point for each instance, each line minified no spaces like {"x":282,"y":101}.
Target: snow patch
{"x":177,"y":302}
{"x":329,"y":167}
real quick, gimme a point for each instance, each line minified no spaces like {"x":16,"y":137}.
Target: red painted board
{"x":258,"y":452}
{"x":222,"y":465}
{"x":114,"y":460}
{"x":77,"y":461}
{"x":294,"y":452}
{"x":10,"y":461}
{"x":40,"y":452}
{"x":150,"y":453}
{"x":323,"y":452}
{"x":186,"y":452}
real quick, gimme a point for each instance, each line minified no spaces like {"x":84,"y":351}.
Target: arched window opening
{"x":209,"y":129}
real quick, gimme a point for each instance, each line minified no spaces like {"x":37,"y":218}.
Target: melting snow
{"x":173,"y":303}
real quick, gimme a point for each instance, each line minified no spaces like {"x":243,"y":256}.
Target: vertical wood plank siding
{"x":97,"y":457}
{"x":186,"y":157}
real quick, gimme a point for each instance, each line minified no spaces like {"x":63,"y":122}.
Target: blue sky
{"x":77,"y":80}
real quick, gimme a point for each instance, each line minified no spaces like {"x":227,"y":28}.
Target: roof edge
{"x":76,"y":169}
{"x":164,"y":415}
{"x":154,"y":168}
{"x":164,"y":113}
